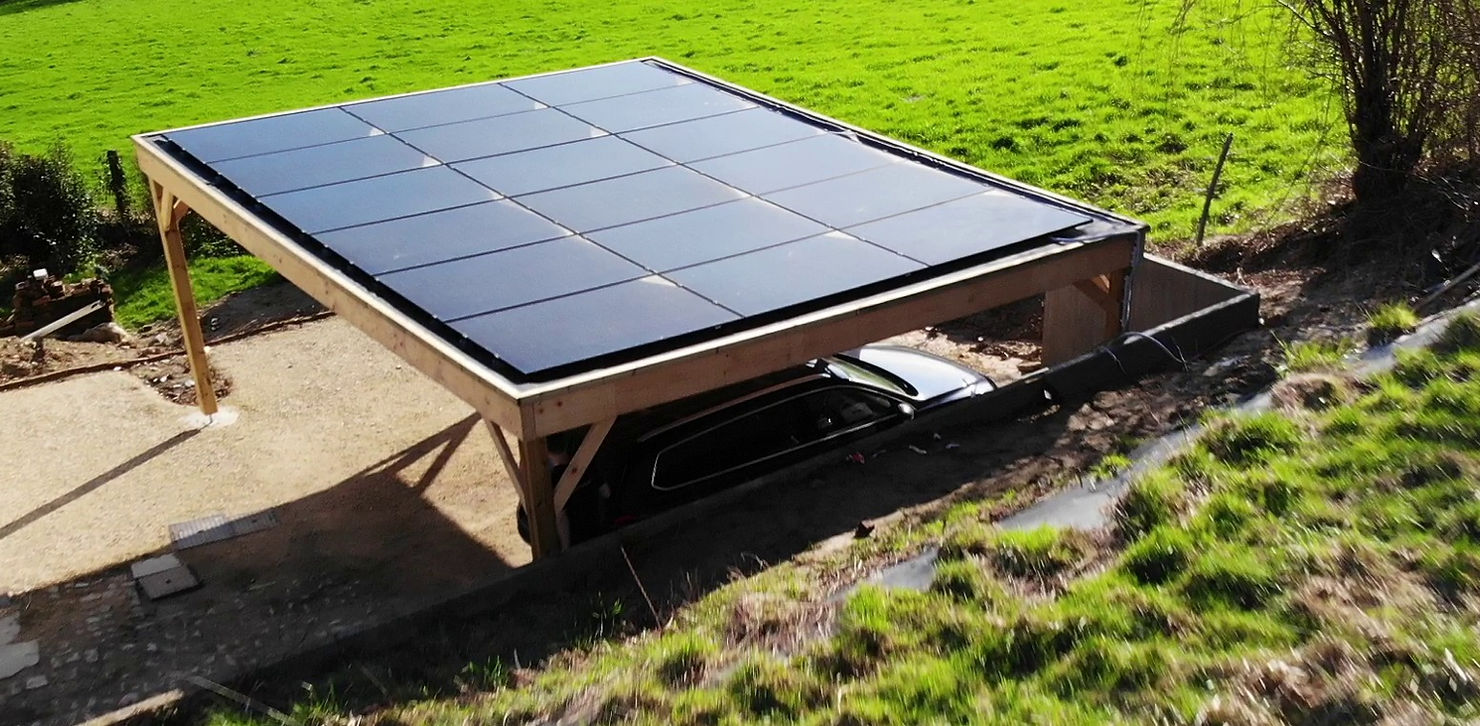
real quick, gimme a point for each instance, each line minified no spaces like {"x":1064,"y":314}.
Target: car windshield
{"x":859,"y":372}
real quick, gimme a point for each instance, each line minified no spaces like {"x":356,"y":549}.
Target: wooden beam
{"x":501,"y":444}
{"x":169,"y":212}
{"x":1113,"y":301}
{"x":539,"y":505}
{"x":600,"y":395}
{"x":1082,"y":315}
{"x":578,"y":463}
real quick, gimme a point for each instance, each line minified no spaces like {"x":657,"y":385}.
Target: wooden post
{"x":539,"y":501}
{"x":1079,"y":317}
{"x":169,"y":211}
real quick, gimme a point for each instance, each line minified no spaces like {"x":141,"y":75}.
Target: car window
{"x":856,"y":370}
{"x":766,"y":433}
{"x":840,"y":409}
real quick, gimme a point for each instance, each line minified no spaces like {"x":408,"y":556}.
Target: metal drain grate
{"x":217,"y":527}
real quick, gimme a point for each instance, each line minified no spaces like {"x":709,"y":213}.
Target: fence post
{"x":118,"y":185}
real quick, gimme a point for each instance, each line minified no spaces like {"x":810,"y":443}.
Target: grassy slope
{"x":1092,"y":98}
{"x":1317,"y":567}
{"x":144,"y":294}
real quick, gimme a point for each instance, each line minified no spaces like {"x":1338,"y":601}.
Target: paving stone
{"x":163,"y":576}
{"x":155,"y":565}
{"x":16,"y":657}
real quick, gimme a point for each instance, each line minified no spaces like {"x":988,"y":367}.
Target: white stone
{"x":16,"y":657}
{"x":155,"y":565}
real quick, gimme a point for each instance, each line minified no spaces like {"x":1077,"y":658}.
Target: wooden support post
{"x":1081,"y":316}
{"x":539,"y":502}
{"x":580,"y":461}
{"x":169,"y":211}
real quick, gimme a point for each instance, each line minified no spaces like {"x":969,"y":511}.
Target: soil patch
{"x":171,"y":378}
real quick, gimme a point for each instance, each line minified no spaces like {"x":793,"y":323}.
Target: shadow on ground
{"x":338,"y":559}
{"x":688,"y":560}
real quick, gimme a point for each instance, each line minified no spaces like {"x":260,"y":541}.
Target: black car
{"x":658,"y":458}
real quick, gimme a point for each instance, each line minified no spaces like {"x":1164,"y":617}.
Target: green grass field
{"x":1094,"y":98}
{"x":144,"y":294}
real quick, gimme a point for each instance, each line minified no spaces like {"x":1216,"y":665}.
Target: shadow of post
{"x":94,"y":483}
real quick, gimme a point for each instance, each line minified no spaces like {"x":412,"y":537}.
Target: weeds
{"x":1389,"y":322}
{"x":1041,"y":553}
{"x":1306,"y":356}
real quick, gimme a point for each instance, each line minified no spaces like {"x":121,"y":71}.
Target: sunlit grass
{"x":1097,"y":99}
{"x":145,"y":296}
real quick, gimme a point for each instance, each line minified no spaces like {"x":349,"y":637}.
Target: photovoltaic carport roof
{"x":560,"y":223}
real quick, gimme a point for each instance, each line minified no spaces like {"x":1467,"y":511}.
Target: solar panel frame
{"x":1106,"y":223}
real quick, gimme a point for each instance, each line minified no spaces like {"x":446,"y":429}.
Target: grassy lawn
{"x":144,"y":295}
{"x":1093,"y":98}
{"x":1317,"y":566}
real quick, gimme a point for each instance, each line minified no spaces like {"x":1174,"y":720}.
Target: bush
{"x":47,"y":216}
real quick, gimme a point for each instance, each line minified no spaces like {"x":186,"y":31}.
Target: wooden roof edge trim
{"x":604,"y":394}
{"x":493,"y":396}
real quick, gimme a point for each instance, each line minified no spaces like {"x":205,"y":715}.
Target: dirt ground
{"x":389,"y":494}
{"x":387,"y":491}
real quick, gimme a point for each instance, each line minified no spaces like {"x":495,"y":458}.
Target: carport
{"x":560,"y":249}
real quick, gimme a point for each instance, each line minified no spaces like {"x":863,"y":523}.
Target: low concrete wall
{"x":1164,"y":291}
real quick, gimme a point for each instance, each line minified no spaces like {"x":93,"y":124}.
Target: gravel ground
{"x":103,"y":464}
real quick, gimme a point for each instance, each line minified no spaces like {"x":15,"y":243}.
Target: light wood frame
{"x":532,"y":411}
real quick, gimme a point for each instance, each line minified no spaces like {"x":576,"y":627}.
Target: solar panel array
{"x":563,"y":220}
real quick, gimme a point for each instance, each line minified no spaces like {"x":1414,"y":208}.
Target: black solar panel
{"x":555,"y":223}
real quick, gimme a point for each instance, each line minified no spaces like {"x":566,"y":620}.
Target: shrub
{"x":47,"y":216}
